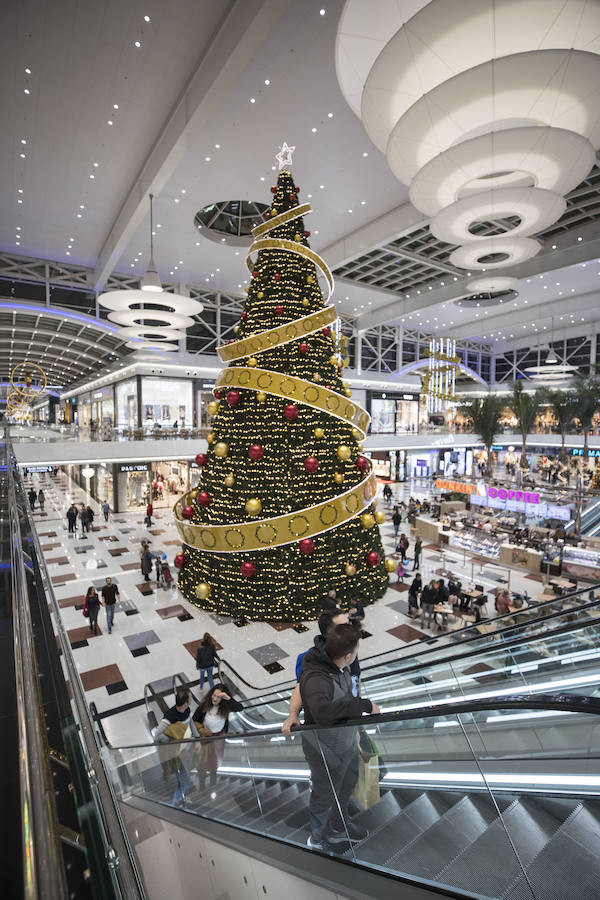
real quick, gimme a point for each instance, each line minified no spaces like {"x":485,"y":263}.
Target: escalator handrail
{"x":558,"y":702}
{"x":290,"y":683}
{"x":40,"y":841}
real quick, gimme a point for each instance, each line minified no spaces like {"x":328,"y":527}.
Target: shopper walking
{"x":91,"y":606}
{"x":206,"y":659}
{"x":326,"y":690}
{"x":84,"y":518}
{"x":110,"y":597}
{"x":402,"y":546}
{"x":32,"y":495}
{"x":413,"y":594}
{"x":105,"y":510}
{"x":146,"y":561}
{"x":418,"y":549}
{"x":387,"y":493}
{"x":149,"y":512}
{"x":396,"y":520}
{"x":41,"y":497}
{"x":72,"y":518}
{"x":91,"y":515}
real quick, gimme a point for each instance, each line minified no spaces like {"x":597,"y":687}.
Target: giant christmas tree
{"x":283,"y":513}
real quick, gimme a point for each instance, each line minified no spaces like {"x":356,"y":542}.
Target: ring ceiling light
{"x":484,"y":108}
{"x":485,"y":300}
{"x":492,"y":283}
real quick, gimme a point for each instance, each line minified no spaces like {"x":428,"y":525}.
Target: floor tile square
{"x":96,"y":678}
{"x":116,"y":687}
{"x":399,"y":586}
{"x":47,"y":534}
{"x":117,"y":551}
{"x":46,"y":547}
{"x":81,"y":634}
{"x":192,"y":646}
{"x":185,"y":617}
{"x":241,"y":623}
{"x":400,"y":606}
{"x":109,"y":537}
{"x":82,"y":548}
{"x":129,"y":567}
{"x":406,"y":633}
{"x":220,"y":620}
{"x":77,"y":645}
{"x":142,"y":639}
{"x":145,"y":588}
{"x":60,"y":579}
{"x":268,"y":653}
{"x":299,"y":628}
{"x":132,"y":612}
{"x":280,"y":626}
{"x":70,"y":601}
{"x":169,"y":612}
{"x":58,"y":561}
{"x":273,"y":667}
{"x":365,"y":634}
{"x":141,"y":651}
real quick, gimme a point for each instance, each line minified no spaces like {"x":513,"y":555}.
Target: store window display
{"x":126,"y":393}
{"x":167,"y":402}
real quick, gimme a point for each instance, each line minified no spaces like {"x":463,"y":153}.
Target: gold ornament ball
{"x":346,"y":361}
{"x":305,"y":302}
{"x":261,"y":396}
{"x":309,"y":279}
{"x":210,"y":438}
{"x":356,"y":434}
{"x":252,"y":362}
{"x":253,"y":506}
{"x":350,"y":569}
{"x":194,"y":494}
{"x":361,"y":447}
{"x":260,"y":295}
{"x":367,"y":521}
{"x":316,"y":376}
{"x":390,"y":565}
{"x":213,"y":408}
{"x":380,"y":517}
{"x":348,"y":392}
{"x":229,"y":480}
{"x":333,"y":361}
{"x":247,"y":289}
{"x":319,"y":433}
{"x":221,"y":449}
{"x":343,"y":452}
{"x":236,"y":328}
{"x":202,"y":591}
{"x":339,"y":477}
{"x":297,"y":237}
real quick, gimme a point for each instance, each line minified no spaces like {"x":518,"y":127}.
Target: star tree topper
{"x":284,"y":157}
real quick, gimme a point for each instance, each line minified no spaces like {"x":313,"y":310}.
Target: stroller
{"x":163,"y":572}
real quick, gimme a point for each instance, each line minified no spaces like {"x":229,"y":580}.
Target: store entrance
{"x":169,"y":482}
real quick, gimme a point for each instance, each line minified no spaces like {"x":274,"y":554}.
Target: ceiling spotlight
{"x":109,"y":122}
{"x":151,"y":280}
{"x":26,"y":90}
{"x":146,"y":18}
{"x":267,"y":82}
{"x":137,"y":44}
{"x":28,"y":71}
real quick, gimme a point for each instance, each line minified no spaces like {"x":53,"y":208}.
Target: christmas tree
{"x":283,"y":513}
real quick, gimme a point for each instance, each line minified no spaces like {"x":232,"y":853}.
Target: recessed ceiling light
{"x":365,"y":153}
{"x":109,"y":122}
{"x":68,"y":253}
{"x":579,"y":238}
{"x":349,"y":210}
{"x":321,"y":186}
{"x":26,"y":91}
{"x":137,"y":44}
{"x":115,"y":105}
{"x":79,"y":215}
{"x":23,"y":141}
{"x":207,"y":159}
{"x":18,"y":228}
{"x":92,"y":177}
{"x":362,"y":202}
{"x":19,"y":200}
{"x":267,"y":82}
{"x":146,"y":18}
{"x":176,"y":199}
{"x":19,"y":190}
{"x":252,"y":100}
{"x":28,"y":71}
{"x":330,"y":115}
{"x":321,"y":12}
{"x":262,"y":177}
{"x":22,"y":155}
{"x":314,"y":130}
{"x":18,"y":243}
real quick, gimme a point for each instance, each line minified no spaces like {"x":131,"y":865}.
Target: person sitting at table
{"x":502,"y":603}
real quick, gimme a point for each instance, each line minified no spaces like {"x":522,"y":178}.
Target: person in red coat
{"x":149,"y":511}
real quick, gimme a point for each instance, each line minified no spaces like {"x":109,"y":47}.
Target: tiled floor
{"x":156,"y":631}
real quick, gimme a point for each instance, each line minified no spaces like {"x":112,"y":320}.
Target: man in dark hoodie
{"x":329,"y":617}
{"x":332,"y":753}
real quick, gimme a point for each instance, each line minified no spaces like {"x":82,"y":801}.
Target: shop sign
{"x":457,"y":486}
{"x":134,"y":467}
{"x":592,"y":452}
{"x":503,"y":494}
{"x":514,"y":500}
{"x":30,"y":469}
{"x":408,"y":396}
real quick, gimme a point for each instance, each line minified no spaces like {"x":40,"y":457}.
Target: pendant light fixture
{"x":551,"y":358}
{"x":151,"y":280}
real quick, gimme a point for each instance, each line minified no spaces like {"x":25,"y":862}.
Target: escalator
{"x":501,"y":802}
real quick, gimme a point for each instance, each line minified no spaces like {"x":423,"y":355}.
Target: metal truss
{"x":573,"y":351}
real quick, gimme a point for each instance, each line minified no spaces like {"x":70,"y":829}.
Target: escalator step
{"x":563,"y":869}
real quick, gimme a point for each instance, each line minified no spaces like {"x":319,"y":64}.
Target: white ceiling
{"x":187,"y":88}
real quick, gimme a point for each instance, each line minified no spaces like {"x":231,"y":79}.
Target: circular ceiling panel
{"x":230,"y":221}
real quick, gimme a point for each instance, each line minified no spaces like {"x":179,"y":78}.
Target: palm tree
{"x":563,"y":404}
{"x":485,"y":415}
{"x":587,"y":394}
{"x":526,"y":407}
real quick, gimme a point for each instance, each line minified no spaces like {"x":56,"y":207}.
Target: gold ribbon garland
{"x":281,"y":530}
{"x":296,"y":389}
{"x":275,"y":337}
{"x":23,"y":386}
{"x":281,"y":219}
{"x":299,"y":250}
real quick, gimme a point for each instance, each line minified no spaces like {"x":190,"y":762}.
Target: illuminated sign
{"x":503,"y":494}
{"x":456,"y":486}
{"x":578,"y":451}
{"x":134,"y":467}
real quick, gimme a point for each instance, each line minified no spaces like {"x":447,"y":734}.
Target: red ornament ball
{"x":311,"y":464}
{"x":254,"y":273}
{"x":303,"y":347}
{"x":217,"y":394}
{"x":328,"y":387}
{"x":233,"y":398}
{"x":179,"y":561}
{"x":276,"y":276}
{"x":279,"y":310}
{"x":372,"y":558}
{"x":266,"y":215}
{"x":326,"y":331}
{"x":256,"y":452}
{"x":362,"y":463}
{"x":290,"y":411}
{"x":203,"y":499}
{"x":244,"y":314}
{"x":187,"y":512}
{"x":297,"y":190}
{"x":273,"y":190}
{"x":307,"y":234}
{"x":248,"y":569}
{"x":201,"y":459}
{"x":292,"y":196}
{"x":306,"y":545}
